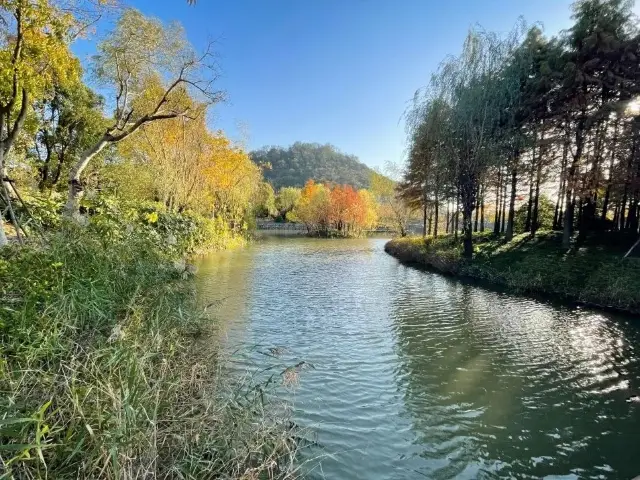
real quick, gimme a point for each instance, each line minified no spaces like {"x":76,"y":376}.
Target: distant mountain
{"x":293,"y":166}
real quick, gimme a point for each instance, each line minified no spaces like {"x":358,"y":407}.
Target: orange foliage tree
{"x":339,"y":209}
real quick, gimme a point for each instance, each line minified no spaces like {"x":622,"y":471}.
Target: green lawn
{"x":593,"y":273}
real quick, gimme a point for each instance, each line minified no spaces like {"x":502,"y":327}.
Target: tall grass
{"x":107,"y":370}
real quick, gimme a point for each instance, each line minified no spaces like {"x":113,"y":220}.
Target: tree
{"x":286,"y":201}
{"x":528,"y":111}
{"x":68,"y":121}
{"x":150,"y":71}
{"x":393,"y":209}
{"x":340,"y":209}
{"x":34,"y":57}
{"x":266,"y":201}
{"x":472,"y":88}
{"x":545,"y":215}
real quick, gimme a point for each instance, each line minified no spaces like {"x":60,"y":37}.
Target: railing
{"x":300,"y":227}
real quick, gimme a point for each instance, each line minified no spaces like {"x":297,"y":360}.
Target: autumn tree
{"x":148,"y":70}
{"x":34,"y":57}
{"x":339,"y":209}
{"x":393,"y":209}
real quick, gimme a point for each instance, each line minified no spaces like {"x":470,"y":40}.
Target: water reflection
{"x":421,"y":376}
{"x":529,"y":389}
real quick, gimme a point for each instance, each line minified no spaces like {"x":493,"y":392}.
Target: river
{"x":422,"y":376}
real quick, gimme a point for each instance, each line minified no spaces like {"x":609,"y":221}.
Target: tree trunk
{"x":467,"y":216}
{"x":535,"y":219}
{"x":512,"y":201}
{"x":482,"y":210}
{"x":446,"y":225}
{"x":503,"y":215}
{"x":435,"y":214}
{"x":430,"y":222}
{"x":477,"y":212}
{"x":457,"y":213}
{"x":3,"y":236}
{"x":607,"y":194}
{"x":72,"y":208}
{"x":496,"y":217}
{"x":623,"y":208}
{"x":424,"y":220}
{"x":557,"y":214}
{"x":632,"y":218}
{"x":571,"y":180}
{"x":467,"y":194}
{"x":527,"y":223}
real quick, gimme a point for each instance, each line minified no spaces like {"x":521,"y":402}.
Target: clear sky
{"x":336,"y":71}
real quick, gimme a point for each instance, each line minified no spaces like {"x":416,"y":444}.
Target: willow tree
{"x":147,"y":71}
{"x":471,"y":85}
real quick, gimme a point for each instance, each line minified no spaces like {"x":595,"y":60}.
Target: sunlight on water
{"x":421,"y":376}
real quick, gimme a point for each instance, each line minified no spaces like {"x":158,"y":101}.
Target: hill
{"x":293,"y":166}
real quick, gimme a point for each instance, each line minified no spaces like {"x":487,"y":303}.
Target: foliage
{"x":545,"y":215}
{"x":66,"y":122}
{"x":286,"y":200}
{"x":394,"y":210}
{"x":34,"y":57}
{"x":151,"y":73}
{"x":521,"y":114}
{"x":187,"y":167}
{"x":340,"y":209}
{"x":99,"y":326}
{"x":265,"y":201}
{"x":293,"y":166}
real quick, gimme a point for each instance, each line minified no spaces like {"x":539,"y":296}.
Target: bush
{"x":546,"y":210}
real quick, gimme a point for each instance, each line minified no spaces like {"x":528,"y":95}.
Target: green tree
{"x":286,"y":201}
{"x":265,"y":203}
{"x":34,"y":57}
{"x":545,"y":216}
{"x":393,"y":209}
{"x":67,"y":122}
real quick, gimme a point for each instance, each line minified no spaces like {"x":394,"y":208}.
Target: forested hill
{"x":293,"y":166}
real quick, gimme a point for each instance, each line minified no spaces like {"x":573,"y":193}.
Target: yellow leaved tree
{"x":34,"y":57}
{"x":148,"y":71}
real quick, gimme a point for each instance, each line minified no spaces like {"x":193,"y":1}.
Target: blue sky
{"x":336,"y":71}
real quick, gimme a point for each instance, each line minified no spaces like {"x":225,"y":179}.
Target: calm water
{"x":421,"y":376}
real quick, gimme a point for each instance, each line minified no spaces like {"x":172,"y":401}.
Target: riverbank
{"x":108,"y":368}
{"x":590,"y":274}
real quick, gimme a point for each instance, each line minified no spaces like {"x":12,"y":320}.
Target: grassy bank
{"x":107,"y":369}
{"x":589,"y":273}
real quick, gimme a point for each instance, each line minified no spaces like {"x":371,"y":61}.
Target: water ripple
{"x":421,"y":376}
